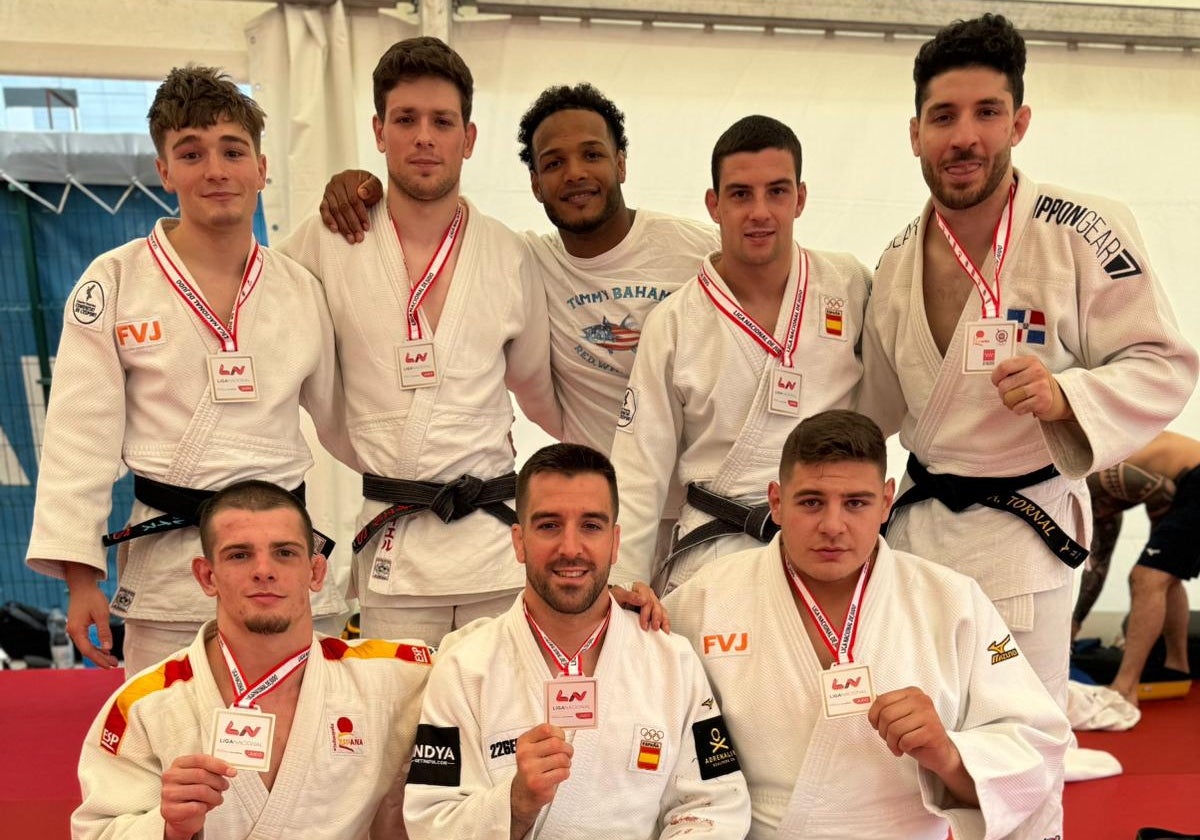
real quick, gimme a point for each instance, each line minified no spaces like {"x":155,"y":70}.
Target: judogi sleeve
{"x":450,"y":795}
{"x":122,"y":791}
{"x":1137,"y":369}
{"x":707,"y":789}
{"x":85,"y":429}
{"x":646,"y":446}
{"x":880,"y":396}
{"x":1010,"y":733}
{"x":527,"y":356}
{"x":321,"y":393}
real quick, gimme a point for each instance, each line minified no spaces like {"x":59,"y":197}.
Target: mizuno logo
{"x":1000,"y":651}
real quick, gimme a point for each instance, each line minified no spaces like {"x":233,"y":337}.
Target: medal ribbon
{"x":842,"y":647}
{"x":1003,"y":232}
{"x":432,"y":272}
{"x":570,"y":667}
{"x":729,"y":307}
{"x":254,"y":268}
{"x":245,"y":696}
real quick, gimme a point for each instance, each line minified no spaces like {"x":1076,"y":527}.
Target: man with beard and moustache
{"x":561,"y":717}
{"x":435,"y":314}
{"x":1018,"y":340}
{"x":261,"y":728}
{"x":605,"y":266}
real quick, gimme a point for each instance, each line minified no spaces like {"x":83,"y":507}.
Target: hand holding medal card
{"x":242,"y":737}
{"x":987,"y":344}
{"x":847,"y":690}
{"x":572,"y":703}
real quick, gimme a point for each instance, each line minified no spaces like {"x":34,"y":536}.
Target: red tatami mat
{"x":1161,"y":783}
{"x":45,"y":715}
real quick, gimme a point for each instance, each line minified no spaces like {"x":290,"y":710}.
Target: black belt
{"x":958,"y":492}
{"x":448,"y":502}
{"x":729,"y":517}
{"x":182,"y":510}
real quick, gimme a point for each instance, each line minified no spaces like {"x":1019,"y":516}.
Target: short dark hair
{"x":415,"y":58}
{"x":200,"y":97}
{"x":831,"y":436}
{"x":753,"y":134}
{"x":986,"y":41}
{"x":581,"y":97}
{"x":252,"y":495}
{"x":567,"y":459}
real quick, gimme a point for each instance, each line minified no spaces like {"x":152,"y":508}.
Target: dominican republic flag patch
{"x":1031,"y":325}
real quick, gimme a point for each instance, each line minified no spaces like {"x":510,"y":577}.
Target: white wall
{"x":1125,"y":124}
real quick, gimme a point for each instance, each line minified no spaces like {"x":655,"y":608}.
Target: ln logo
{"x":787,"y":384}
{"x":234,"y":370}
{"x":576,"y":697}
{"x":139,"y":333}
{"x":734,"y":642}
{"x":850,"y":683}
{"x":415,"y":358}
{"x":252,"y":731}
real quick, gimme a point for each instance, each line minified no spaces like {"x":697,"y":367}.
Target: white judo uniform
{"x":131,"y":389}
{"x":698,"y":403}
{"x":658,"y":765}
{"x":493,"y":331}
{"x":921,"y":625}
{"x":350,"y":738}
{"x":598,"y":307}
{"x":1079,"y":285}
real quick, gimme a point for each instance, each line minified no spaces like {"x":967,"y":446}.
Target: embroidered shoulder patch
{"x":437,"y":756}
{"x":714,"y":748}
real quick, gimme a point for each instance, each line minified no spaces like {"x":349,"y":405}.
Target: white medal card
{"x":847,"y":690}
{"x":987,"y":344}
{"x":417,"y":365}
{"x":785,"y":393}
{"x":571,"y":703}
{"x":242,"y":737}
{"x":231,"y":376}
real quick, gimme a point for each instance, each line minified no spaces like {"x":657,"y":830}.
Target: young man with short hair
{"x":1017,"y":339}
{"x":765,"y":335}
{"x":261,"y":728}
{"x":872,"y":694}
{"x":184,"y":357}
{"x":437,"y":318}
{"x":560,"y":716}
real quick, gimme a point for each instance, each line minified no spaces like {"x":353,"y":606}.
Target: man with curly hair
{"x":607,"y":265}
{"x":1017,"y":339}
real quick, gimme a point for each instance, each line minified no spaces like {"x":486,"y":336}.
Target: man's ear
{"x":518,"y":541}
{"x":320,"y":568}
{"x":202,"y":571}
